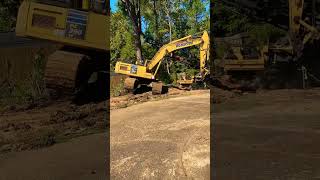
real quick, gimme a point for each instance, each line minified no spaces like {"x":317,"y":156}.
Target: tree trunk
{"x":167,"y":10}
{"x":133,"y":9}
{"x":137,"y":42}
{"x":156,"y":22}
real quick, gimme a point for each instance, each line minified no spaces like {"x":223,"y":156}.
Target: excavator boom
{"x":180,"y":44}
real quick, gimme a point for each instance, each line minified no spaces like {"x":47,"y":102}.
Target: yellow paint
{"x":85,"y":4}
{"x":95,"y":37}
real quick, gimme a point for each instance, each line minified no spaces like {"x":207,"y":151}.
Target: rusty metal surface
{"x":130,"y":83}
{"x":157,"y":87}
{"x":61,"y":70}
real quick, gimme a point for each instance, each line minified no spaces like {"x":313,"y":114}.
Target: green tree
{"x":122,"y":41}
{"x":8,"y":13}
{"x":133,"y":10}
{"x":197,"y":15}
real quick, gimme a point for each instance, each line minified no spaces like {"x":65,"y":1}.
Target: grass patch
{"x":28,"y":90}
{"x":117,"y":85}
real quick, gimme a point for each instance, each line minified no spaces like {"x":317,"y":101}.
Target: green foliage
{"x":262,"y":33}
{"x":227,"y":21}
{"x":197,"y":16}
{"x":8,"y":11}
{"x":148,"y":51}
{"x":37,"y":76}
{"x":31,"y":90}
{"x":122,"y":42}
{"x":220,"y":50}
{"x":117,"y":90}
{"x":117,"y":85}
{"x":5,"y":22}
{"x":163,"y":74}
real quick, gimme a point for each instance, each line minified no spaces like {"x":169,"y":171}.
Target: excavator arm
{"x":204,"y":54}
{"x":180,"y":44}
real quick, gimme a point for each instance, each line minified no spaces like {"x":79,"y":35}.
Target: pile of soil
{"x":46,"y":125}
{"x":130,"y":99}
{"x":219,"y":95}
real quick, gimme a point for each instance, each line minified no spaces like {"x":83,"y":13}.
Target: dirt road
{"x":82,"y":158}
{"x":160,"y":138}
{"x":268,"y":135}
{"x":167,"y":139}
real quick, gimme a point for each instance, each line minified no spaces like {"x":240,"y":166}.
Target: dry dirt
{"x":171,"y":136}
{"x":130,"y":99}
{"x":43,"y":124}
{"x":268,"y":135}
{"x":263,"y":135}
{"x":53,"y":122}
{"x":167,"y":139}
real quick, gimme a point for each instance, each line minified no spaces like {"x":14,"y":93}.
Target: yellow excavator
{"x":146,"y":74}
{"x":237,"y":58}
{"x":80,"y":29}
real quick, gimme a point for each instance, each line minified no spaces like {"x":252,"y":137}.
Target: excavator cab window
{"x":97,"y":6}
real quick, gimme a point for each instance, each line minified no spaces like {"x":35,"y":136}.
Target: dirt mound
{"x":219,"y":95}
{"x":130,"y":99}
{"x":43,"y":126}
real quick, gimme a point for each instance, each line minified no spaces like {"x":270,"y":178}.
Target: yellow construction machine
{"x":241,"y":54}
{"x":275,"y":57}
{"x":146,"y":74}
{"x":80,"y":28}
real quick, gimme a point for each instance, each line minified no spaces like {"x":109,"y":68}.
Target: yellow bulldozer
{"x":80,"y":29}
{"x":146,"y":74}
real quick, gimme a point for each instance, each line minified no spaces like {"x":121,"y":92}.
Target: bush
{"x":117,"y":85}
{"x":26,"y":91}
